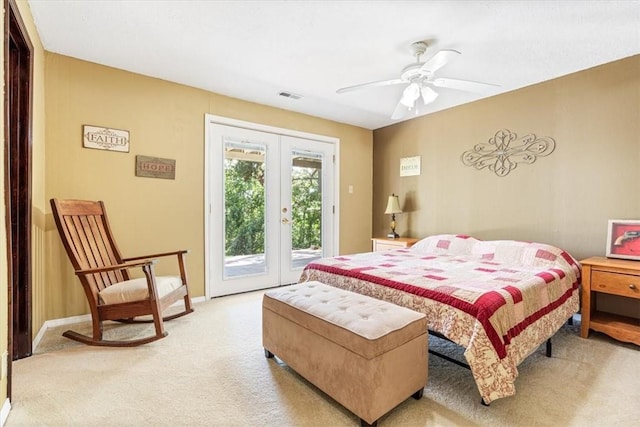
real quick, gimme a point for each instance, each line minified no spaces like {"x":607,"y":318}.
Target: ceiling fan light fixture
{"x":420,"y":77}
{"x":410,"y":94}
{"x":428,"y":95}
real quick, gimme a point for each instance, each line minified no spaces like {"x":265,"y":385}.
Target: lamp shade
{"x":393,"y":205}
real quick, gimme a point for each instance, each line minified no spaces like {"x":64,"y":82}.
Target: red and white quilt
{"x":498,"y":299}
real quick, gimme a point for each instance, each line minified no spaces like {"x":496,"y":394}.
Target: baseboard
{"x":198,"y":300}
{"x":4,"y":412}
{"x":57,"y":322}
{"x":82,"y":318}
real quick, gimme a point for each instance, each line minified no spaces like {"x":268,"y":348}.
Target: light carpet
{"x":211,"y":371}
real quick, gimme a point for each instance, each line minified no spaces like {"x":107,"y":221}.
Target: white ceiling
{"x":253,"y":50}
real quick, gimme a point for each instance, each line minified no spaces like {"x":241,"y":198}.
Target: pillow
{"x":521,"y":253}
{"x":513,"y":252}
{"x":455,"y":244}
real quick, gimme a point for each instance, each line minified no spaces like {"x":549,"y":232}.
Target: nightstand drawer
{"x":615,"y":283}
{"x":386,"y":243}
{"x":386,"y":246}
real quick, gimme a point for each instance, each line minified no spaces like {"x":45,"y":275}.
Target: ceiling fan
{"x":419,"y":78}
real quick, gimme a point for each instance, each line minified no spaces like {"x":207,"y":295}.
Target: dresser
{"x":386,"y":243}
{"x":610,"y":276}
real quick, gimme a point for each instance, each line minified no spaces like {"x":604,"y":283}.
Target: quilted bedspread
{"x":499,"y":299}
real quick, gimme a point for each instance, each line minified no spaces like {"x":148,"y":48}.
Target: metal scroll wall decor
{"x":504,"y":151}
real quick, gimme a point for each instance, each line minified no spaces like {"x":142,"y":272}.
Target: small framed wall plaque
{"x":410,"y":166}
{"x":155,"y":167}
{"x":102,"y":138}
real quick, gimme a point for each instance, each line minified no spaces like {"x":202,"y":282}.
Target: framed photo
{"x":623,"y":239}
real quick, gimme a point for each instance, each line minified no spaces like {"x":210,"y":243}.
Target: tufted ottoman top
{"x":362,"y":324}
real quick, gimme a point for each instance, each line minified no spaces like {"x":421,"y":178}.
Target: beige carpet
{"x":211,"y":371}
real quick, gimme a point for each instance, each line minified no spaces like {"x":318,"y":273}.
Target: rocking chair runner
{"x":104,"y":274}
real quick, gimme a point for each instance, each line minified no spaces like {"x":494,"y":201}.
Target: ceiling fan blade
{"x":466,"y":85}
{"x":399,"y":111}
{"x":439,"y":60}
{"x":410,"y":94}
{"x":371,"y":84}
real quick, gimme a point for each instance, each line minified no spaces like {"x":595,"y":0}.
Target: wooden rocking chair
{"x":104,"y":274}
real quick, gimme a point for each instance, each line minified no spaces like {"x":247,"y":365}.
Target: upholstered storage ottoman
{"x":367,"y":354}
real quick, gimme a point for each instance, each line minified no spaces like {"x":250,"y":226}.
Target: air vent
{"x":290,"y":95}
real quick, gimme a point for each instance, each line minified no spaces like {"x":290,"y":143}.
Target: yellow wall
{"x":164,"y":120}
{"x":564,"y":199}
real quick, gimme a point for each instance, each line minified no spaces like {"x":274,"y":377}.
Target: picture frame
{"x":623,"y":239}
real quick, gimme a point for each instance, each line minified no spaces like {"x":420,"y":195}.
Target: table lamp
{"x":393,"y":207}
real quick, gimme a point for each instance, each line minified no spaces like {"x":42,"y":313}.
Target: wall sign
{"x":155,"y":167}
{"x":410,"y":166}
{"x":105,"y":138}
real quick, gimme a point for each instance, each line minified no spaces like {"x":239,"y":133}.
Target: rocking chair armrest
{"x":123,"y":266}
{"x":164,"y":254}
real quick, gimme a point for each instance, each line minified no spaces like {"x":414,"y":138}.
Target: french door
{"x":271,"y":207}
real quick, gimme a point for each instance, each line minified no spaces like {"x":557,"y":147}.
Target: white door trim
{"x":213,"y":119}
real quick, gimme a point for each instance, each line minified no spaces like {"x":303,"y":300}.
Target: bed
{"x":498,"y":299}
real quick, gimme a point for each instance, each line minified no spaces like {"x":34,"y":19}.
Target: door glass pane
{"x":306,"y":208}
{"x":244,"y":208}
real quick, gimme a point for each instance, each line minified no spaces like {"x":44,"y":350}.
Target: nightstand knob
{"x":632,"y":286}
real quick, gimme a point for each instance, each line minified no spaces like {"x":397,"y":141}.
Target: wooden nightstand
{"x":386,"y":243}
{"x":610,"y":276}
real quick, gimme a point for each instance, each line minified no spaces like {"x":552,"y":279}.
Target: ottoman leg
{"x":268,"y":354}
{"x":363,"y":423}
{"x":418,"y":394}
